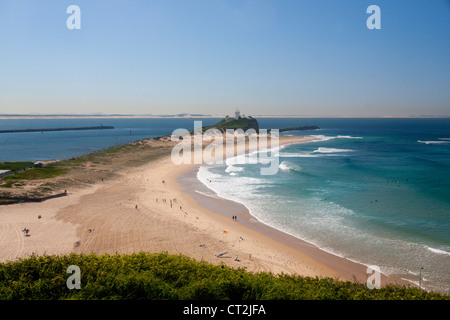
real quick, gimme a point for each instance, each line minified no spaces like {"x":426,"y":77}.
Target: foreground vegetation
{"x":164,"y":276}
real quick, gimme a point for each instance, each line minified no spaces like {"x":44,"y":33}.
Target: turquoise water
{"x":376,"y":191}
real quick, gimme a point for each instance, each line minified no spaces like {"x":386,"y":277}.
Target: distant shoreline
{"x":194,"y":116}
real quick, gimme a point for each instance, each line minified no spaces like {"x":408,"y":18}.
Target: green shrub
{"x":162,"y":276}
{"x":37,"y":173}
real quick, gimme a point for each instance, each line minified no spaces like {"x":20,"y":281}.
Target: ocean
{"x":375,"y":191}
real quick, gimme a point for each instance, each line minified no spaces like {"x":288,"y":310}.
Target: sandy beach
{"x":153,"y":208}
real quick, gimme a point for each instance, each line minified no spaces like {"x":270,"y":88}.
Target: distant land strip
{"x":56,"y":129}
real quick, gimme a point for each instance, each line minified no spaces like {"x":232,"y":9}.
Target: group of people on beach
{"x":165,"y":200}
{"x":172,"y":202}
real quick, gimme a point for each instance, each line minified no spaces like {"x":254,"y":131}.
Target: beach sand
{"x":153,"y":208}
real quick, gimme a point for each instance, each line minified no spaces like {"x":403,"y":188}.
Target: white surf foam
{"x":219,"y":184}
{"x":439,"y":251}
{"x":434,"y":142}
{"x":232,"y":168}
{"x":317,"y":138}
{"x":297,"y":155}
{"x":286,"y":166}
{"x":331,"y":150}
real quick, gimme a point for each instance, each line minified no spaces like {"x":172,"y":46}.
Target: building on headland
{"x":38,"y":164}
{"x":237,"y":114}
{"x":239,"y":121}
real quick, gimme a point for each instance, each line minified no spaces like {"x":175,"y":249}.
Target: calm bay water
{"x":376,"y":191}
{"x":33,"y":146}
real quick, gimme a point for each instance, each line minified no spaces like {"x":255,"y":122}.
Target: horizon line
{"x":198,"y":115}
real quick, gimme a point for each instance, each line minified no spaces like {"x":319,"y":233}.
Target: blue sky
{"x":283,"y":57}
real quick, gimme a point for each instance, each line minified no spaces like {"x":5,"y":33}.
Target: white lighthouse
{"x":237,"y":113}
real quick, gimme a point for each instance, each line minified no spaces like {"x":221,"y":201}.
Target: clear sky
{"x":267,"y":57}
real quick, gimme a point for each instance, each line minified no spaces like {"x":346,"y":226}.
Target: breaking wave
{"x":326,"y":138}
{"x":439,"y":251}
{"x":331,"y":150}
{"x":441,"y":141}
{"x":286,"y":165}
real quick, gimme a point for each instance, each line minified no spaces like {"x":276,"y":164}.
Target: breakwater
{"x":56,"y":129}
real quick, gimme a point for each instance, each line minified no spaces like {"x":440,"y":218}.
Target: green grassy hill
{"x":232,"y":123}
{"x":163,"y":276}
